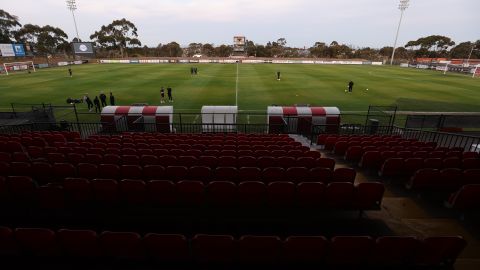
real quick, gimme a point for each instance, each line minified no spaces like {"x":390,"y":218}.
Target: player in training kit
{"x":169,"y":92}
{"x":162,"y":95}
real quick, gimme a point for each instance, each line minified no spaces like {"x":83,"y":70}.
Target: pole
{"x":470,"y":54}
{"x":396,"y":37}
{"x":76,"y":28}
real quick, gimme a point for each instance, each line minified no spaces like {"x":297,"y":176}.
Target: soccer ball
{"x":367,"y":89}
{"x":346,"y":90}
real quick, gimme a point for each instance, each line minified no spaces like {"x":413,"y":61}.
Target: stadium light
{"x":402,"y":6}
{"x":72,"y":6}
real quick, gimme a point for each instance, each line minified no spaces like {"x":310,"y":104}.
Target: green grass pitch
{"x":216,"y":84}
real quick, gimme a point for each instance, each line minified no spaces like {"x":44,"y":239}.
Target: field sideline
{"x":216,"y":84}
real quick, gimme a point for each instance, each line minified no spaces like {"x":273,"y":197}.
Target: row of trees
{"x":120,"y":39}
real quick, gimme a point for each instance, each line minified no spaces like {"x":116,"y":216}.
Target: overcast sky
{"x":301,"y":22}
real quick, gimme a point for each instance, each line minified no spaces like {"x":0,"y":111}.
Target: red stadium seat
{"x":249,"y":174}
{"x":311,"y":194}
{"x":339,"y":195}
{"x":226,"y":174}
{"x":50,"y":197}
{"x":161,"y":192}
{"x":297,"y":174}
{"x":326,"y":163}
{"x":221,"y":193}
{"x":105,"y":191}
{"x":394,"y":251}
{"x":467,"y":198}
{"x":354,"y":153}
{"x":368,"y":195}
{"x":259,"y":249}
{"x":271,"y":174}
{"x":191,"y":193}
{"x":81,"y":244}
{"x":63,"y":170}
{"x":131,"y":172}
{"x":21,"y":189}
{"x":350,"y":250}
{"x":281,"y":194}
{"x":37,"y":242}
{"x":122,"y":245}
{"x":471,"y":163}
{"x":153,"y":172}
{"x":176,"y":173}
{"x":299,"y":250}
{"x":440,"y":251}
{"x":246,"y":161}
{"x":344,"y":175}
{"x":320,"y":174}
{"x":133,"y":192}
{"x":251,"y":193}
{"x":78,"y":191}
{"x":108,"y":171}
{"x":370,"y":160}
{"x":423,"y":178}
{"x":20,"y":169}
{"x":8,"y":245}
{"x":392,"y":167}
{"x":200,"y":173}
{"x":170,"y":248}
{"x":412,"y":165}
{"x":213,"y":249}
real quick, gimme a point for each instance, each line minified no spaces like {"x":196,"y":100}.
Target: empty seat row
{"x":211,"y":161}
{"x":446,"y":179}
{"x":466,"y":198}
{"x":322,"y":138}
{"x":395,"y":167}
{"x":21,"y":190}
{"x":204,"y":249}
{"x":63,"y":147}
{"x":356,"y":153}
{"x":374,"y":159}
{"x":44,"y":172}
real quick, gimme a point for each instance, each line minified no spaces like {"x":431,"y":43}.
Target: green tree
{"x":118,"y":35}
{"x":251,"y":48}
{"x":171,"y":49}
{"x":8,"y":26}
{"x":208,"y":50}
{"x":51,"y":39}
{"x":431,"y":46}
{"x":45,"y":40}
{"x":223,"y":51}
{"x":193,"y":48}
{"x":28,"y":34}
{"x":319,"y":49}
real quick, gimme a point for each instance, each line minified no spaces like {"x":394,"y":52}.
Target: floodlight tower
{"x":402,"y":6}
{"x":72,"y":6}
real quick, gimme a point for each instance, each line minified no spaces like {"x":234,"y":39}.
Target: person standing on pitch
{"x":112,"y":99}
{"x":350,"y":87}
{"x":96,"y":101}
{"x":162,"y":95}
{"x":103,"y":99}
{"x":87,"y":100}
{"x":70,"y":72}
{"x":278,"y":75}
{"x":169,"y":92}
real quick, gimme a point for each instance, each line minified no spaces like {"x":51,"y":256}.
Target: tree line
{"x":120,"y":39}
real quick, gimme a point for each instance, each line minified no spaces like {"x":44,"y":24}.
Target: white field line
{"x":236,"y":88}
{"x":196,"y":119}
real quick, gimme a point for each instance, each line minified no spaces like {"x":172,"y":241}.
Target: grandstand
{"x":183,"y":200}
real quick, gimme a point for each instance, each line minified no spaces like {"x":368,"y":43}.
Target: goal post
{"x":18,"y":66}
{"x":476,"y":71}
